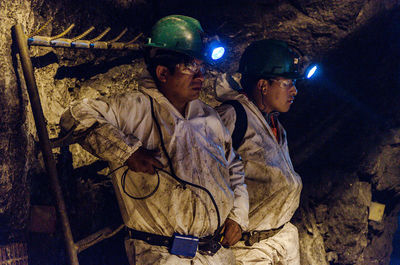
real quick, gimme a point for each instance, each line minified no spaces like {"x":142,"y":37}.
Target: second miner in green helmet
{"x":269,"y":70}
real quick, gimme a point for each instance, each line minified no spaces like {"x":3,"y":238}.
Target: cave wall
{"x":343,"y":129}
{"x":16,"y":147}
{"x":351,"y":130}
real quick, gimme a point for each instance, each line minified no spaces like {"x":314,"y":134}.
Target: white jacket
{"x":273,"y":185}
{"x":200,"y":149}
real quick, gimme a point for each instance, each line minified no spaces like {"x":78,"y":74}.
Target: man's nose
{"x":293,"y":90}
{"x":199,"y":76}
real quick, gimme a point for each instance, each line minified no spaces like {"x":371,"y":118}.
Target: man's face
{"x":279,"y":95}
{"x":185,"y":84}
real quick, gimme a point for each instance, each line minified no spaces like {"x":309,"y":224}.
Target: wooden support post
{"x":44,"y":141}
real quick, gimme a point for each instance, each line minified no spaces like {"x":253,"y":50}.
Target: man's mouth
{"x":196,"y":86}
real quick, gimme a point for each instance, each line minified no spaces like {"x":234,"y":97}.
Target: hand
{"x":232,"y":233}
{"x":143,"y":160}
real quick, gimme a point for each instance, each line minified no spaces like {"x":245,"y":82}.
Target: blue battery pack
{"x":184,"y":245}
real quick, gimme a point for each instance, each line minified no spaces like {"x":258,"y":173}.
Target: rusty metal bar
{"x":62,"y":34}
{"x":48,"y":158}
{"x":81,"y":44}
{"x":78,"y":43}
{"x":41,"y":28}
{"x":84,"y":34}
{"x":119,"y":35}
{"x":134,"y":39}
{"x":101,"y":35}
{"x":75,"y":42}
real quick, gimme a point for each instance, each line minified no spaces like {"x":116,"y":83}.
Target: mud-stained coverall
{"x":273,"y":185}
{"x":201,"y":152}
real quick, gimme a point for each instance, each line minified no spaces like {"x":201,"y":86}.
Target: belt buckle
{"x":129,"y":232}
{"x":254,"y":237}
{"x":209,"y":246}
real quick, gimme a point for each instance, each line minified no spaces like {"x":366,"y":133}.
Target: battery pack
{"x":184,"y":245}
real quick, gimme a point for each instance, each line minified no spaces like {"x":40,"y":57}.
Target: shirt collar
{"x":272,"y":115}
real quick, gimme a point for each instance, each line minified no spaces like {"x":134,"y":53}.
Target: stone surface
{"x":343,"y":129}
{"x":15,"y":143}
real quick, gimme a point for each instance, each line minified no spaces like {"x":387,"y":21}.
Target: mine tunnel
{"x":343,"y":129}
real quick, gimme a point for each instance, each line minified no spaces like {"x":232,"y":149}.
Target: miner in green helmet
{"x":181,"y":186}
{"x":269,"y":69}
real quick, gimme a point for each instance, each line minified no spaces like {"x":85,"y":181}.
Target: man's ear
{"x":162,"y":73}
{"x":263,"y":86}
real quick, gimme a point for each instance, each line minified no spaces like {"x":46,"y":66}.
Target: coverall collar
{"x":148,"y":86}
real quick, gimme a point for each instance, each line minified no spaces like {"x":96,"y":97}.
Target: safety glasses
{"x":191,"y":68}
{"x":285,"y":83}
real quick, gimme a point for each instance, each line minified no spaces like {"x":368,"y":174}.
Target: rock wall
{"x":15,"y":144}
{"x":343,"y":129}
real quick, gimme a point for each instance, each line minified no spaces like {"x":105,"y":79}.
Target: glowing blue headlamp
{"x":217,"y":53}
{"x":303,"y":64}
{"x":215,"y":50}
{"x":310,"y":71}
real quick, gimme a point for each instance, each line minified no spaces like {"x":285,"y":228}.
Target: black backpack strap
{"x":240,"y":124}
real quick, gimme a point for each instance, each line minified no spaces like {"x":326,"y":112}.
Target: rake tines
{"x":78,"y":41}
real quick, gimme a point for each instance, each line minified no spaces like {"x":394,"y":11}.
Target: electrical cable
{"x":123,"y":178}
{"x":172,"y":174}
{"x":109,"y":174}
{"x":183,"y":182}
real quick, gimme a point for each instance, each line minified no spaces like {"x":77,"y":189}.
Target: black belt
{"x":250,"y":238}
{"x":152,"y":239}
{"x":207,"y":245}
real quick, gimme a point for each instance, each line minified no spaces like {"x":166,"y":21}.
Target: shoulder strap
{"x":240,"y":124}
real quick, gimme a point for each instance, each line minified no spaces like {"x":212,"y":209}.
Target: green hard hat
{"x":178,"y":33}
{"x":269,"y":58}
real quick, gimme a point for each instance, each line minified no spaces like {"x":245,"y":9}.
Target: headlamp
{"x":310,"y":71}
{"x":217,"y":53}
{"x":215,"y":50}
{"x":303,"y":65}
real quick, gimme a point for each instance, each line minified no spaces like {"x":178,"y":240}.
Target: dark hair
{"x":154,"y":57}
{"x":248,"y":82}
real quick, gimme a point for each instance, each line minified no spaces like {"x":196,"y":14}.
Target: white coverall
{"x":273,"y":185}
{"x":201,"y":152}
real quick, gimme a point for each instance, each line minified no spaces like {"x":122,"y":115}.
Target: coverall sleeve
{"x":240,"y":210}
{"x":98,"y":124}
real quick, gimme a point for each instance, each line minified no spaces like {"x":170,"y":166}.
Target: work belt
{"x":207,"y":245}
{"x":250,"y":238}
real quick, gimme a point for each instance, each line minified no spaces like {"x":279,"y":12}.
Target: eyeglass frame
{"x":282,"y":85}
{"x":191,"y":68}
